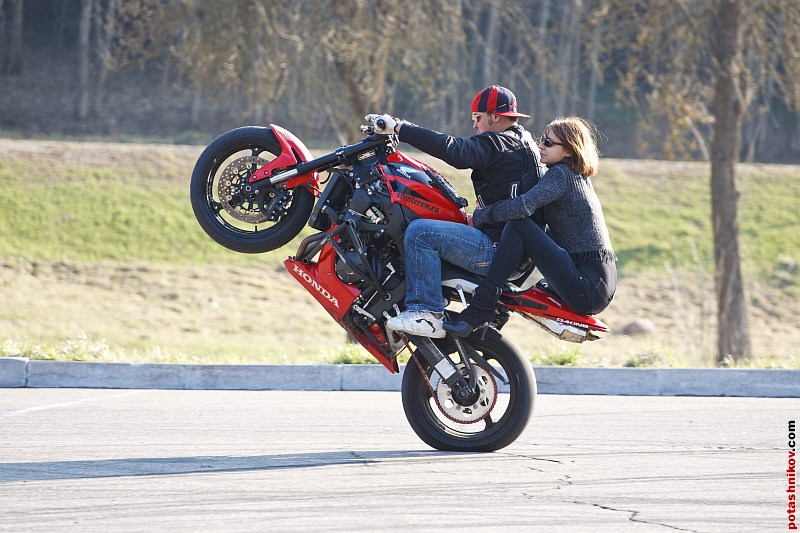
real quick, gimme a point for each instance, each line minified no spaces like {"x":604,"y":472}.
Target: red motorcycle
{"x":253,"y":189}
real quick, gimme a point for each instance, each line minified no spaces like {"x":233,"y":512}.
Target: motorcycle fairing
{"x":536,"y":301}
{"x":337,"y":297}
{"x":532,"y":302}
{"x":293,"y":151}
{"x":334,"y":295}
{"x":398,"y":157}
{"x":421,"y":199}
{"x":374,"y":344}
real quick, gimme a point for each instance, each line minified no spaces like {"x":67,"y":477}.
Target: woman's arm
{"x":551,"y":187}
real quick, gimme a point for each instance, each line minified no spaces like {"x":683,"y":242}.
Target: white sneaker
{"x":422,"y":323}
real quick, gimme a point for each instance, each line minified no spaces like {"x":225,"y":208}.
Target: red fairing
{"x":337,"y":297}
{"x":398,"y":157}
{"x":319,"y":279}
{"x":377,"y":350}
{"x":423,"y":200}
{"x":538,"y":302}
{"x":413,"y":191}
{"x":291,"y":147}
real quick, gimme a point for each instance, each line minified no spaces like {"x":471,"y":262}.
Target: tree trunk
{"x":564,"y":68}
{"x":594,"y":62}
{"x":733,"y":335}
{"x":542,"y":108}
{"x":576,"y":38}
{"x":84,"y":29}
{"x":196,"y":107}
{"x":3,"y":46}
{"x":61,"y":21}
{"x":106,"y":24}
{"x":358,"y":102}
{"x":14,"y":59}
{"x":490,"y":48}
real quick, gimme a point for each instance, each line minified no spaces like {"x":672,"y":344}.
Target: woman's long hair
{"x":578,"y":138}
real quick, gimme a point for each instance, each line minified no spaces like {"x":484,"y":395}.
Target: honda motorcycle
{"x":254,"y":189}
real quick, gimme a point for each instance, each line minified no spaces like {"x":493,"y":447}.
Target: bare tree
{"x":105,"y":24}
{"x":491,"y":50}
{"x":733,"y":339}
{"x":688,"y":66}
{"x":84,"y":66}
{"x":12,"y":63}
{"x":2,"y":36}
{"x":215,"y":51}
{"x":542,"y":64}
{"x":597,"y":18}
{"x":376,"y":50}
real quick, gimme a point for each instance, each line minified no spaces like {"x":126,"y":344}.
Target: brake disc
{"x":477,"y":410}
{"x":237,"y":202}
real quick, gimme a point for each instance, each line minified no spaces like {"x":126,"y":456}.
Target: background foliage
{"x":714,"y":80}
{"x":190,"y":69}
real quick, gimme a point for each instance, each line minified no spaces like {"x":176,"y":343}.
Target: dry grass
{"x":212,"y":314}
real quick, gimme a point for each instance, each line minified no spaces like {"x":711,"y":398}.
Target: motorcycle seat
{"x":451,"y":274}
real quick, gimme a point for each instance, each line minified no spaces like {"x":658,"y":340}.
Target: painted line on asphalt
{"x":64,"y":404}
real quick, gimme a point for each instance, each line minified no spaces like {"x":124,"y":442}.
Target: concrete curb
{"x":18,"y":372}
{"x":13,"y":371}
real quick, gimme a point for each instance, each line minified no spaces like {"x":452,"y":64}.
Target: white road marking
{"x":64,"y":404}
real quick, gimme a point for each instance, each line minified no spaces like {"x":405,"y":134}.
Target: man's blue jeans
{"x":427,"y":244}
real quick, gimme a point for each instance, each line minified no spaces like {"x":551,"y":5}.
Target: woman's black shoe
{"x":480,"y":311}
{"x":459,"y":329}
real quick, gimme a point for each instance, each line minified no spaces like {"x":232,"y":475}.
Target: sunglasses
{"x":549,"y":142}
{"x":476,"y":117}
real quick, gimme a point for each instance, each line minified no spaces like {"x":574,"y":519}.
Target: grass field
{"x":101,"y":259}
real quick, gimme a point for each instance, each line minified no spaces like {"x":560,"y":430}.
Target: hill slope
{"x":101,"y":258}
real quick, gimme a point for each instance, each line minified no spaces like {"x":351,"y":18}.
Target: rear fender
{"x":536,"y":301}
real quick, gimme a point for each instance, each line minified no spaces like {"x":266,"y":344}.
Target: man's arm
{"x":474,"y":152}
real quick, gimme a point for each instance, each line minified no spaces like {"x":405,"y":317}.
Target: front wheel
{"x":245,"y":217}
{"x":499,"y":415}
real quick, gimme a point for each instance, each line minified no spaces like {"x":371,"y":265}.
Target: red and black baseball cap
{"x":497,"y":100}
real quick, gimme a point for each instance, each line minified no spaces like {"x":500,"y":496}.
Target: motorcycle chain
{"x":436,"y":396}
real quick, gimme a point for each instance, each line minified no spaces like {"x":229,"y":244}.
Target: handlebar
{"x":339,"y":155}
{"x":370,"y":130}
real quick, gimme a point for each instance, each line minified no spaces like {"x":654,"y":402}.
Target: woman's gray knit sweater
{"x":568,"y":205}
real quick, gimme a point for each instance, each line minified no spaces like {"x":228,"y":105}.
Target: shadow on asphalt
{"x":167,"y":466}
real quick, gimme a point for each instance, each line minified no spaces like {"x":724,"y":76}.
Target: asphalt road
{"x":171,"y":460}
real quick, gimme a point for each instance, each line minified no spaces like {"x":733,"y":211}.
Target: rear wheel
{"x":493,"y":419}
{"x":245,"y":217}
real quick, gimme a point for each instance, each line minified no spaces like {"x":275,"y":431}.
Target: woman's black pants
{"x":587,"y":288}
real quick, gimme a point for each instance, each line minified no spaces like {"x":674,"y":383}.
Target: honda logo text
{"x":320,"y":289}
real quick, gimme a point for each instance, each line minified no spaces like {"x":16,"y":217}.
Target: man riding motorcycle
{"x":504,"y":164}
